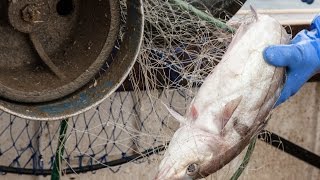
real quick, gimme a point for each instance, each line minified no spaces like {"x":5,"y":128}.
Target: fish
{"x":231,"y":106}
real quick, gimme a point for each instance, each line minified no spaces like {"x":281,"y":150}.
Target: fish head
{"x":190,"y":154}
{"x":197,"y":148}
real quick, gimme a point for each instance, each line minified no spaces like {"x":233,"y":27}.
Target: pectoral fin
{"x":176,"y":115}
{"x":228,"y":111}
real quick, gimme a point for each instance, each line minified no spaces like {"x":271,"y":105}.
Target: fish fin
{"x":228,"y":111}
{"x":192,"y":112}
{"x":176,"y":115}
{"x":254,"y":12}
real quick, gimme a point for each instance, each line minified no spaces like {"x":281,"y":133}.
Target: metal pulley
{"x":51,"y":50}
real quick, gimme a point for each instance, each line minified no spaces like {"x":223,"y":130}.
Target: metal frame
{"x":290,"y":148}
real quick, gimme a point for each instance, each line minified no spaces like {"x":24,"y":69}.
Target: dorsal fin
{"x":254,"y":12}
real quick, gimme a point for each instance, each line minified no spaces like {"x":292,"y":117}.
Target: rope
{"x":56,"y":171}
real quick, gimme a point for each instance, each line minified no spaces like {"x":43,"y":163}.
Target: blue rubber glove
{"x":301,"y":59}
{"x":308,"y":1}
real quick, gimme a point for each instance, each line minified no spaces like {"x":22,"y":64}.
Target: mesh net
{"x":179,"y":49}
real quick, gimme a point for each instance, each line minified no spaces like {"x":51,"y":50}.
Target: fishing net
{"x":180,"y":47}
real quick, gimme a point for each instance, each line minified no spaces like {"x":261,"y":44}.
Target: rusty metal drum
{"x":51,"y":52}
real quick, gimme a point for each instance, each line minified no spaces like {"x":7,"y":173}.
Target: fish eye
{"x":192,"y":169}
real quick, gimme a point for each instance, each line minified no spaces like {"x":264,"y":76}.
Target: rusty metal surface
{"x":50,"y":51}
{"x":89,"y":96}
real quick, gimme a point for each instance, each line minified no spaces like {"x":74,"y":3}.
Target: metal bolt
{"x":31,"y":14}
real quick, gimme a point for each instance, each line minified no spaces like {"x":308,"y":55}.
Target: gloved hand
{"x":308,"y":1}
{"x":301,"y":59}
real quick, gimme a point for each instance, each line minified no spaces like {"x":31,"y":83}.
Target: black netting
{"x":117,"y":131}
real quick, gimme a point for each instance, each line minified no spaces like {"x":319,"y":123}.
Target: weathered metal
{"x":49,"y":52}
{"x":94,"y":92}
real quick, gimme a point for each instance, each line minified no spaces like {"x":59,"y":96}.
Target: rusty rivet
{"x":31,"y":14}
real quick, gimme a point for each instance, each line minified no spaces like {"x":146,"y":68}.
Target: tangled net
{"x":179,"y":49}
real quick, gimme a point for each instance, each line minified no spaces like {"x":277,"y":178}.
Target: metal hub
{"x":50,"y":49}
{"x":53,"y":54}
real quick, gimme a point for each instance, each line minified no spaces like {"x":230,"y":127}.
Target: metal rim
{"x":87,"y":98}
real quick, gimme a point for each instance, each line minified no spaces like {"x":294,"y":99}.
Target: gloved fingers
{"x":308,"y":1}
{"x":291,"y":87}
{"x":281,"y":55}
{"x":305,"y":35}
{"x":307,"y":56}
{"x":315,"y":25}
